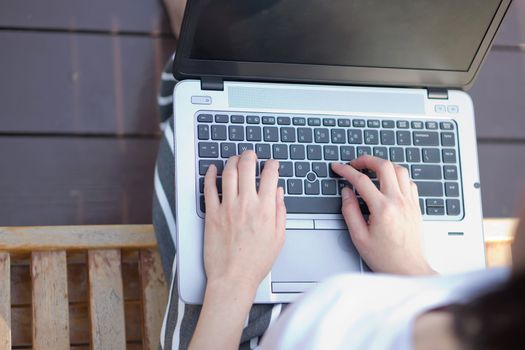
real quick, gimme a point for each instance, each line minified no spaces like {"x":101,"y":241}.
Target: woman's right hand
{"x":390,"y":241}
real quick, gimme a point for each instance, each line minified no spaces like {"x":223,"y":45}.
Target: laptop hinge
{"x":437,"y":94}
{"x":212,"y":83}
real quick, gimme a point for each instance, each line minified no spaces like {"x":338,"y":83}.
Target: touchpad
{"x":313,"y":255}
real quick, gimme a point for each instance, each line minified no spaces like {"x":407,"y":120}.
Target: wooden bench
{"x":102,"y":287}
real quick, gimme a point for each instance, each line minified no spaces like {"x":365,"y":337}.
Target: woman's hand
{"x":245,"y":233}
{"x":390,"y":241}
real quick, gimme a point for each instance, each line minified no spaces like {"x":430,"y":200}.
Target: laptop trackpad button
{"x":313,"y":255}
{"x":286,"y":287}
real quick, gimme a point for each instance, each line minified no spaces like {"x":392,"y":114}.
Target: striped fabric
{"x":180,"y":319}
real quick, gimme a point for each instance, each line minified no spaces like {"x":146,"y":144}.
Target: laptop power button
{"x":201,"y":100}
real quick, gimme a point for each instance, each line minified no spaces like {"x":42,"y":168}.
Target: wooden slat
{"x":50,"y":301}
{"x":91,"y":84}
{"x":5,"y":301}
{"x":76,"y":237}
{"x":106,"y":300}
{"x":154,"y":296}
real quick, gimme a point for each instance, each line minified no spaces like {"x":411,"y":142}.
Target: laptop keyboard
{"x":306,"y":145}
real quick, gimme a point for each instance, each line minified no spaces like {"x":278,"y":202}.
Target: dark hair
{"x":495,"y":320}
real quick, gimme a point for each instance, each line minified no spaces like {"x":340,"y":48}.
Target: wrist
{"x":231,"y":289}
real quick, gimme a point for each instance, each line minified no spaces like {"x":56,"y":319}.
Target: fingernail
{"x":345,"y":193}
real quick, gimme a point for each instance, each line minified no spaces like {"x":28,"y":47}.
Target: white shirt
{"x":371,"y":311}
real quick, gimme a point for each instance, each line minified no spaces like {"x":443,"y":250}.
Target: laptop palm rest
{"x":309,"y":256}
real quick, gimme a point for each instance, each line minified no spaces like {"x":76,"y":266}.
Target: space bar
{"x":313,"y":205}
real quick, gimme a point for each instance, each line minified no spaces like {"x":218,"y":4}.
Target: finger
{"x":403,"y":179}
{"x":269,"y":179}
{"x":353,"y":217}
{"x":384,"y":170}
{"x":246,"y":169}
{"x":366,"y":188}
{"x":230,"y":187}
{"x":280,"y":213}
{"x":415,"y":192}
{"x":211,"y":195}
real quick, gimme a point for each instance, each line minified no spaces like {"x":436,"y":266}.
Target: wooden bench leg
{"x":50,"y":300}
{"x":106,"y":300}
{"x":5,"y":301}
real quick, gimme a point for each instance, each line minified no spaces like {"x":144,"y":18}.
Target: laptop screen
{"x":402,"y":34}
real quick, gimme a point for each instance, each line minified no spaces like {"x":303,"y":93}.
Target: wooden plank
{"x":106,"y":300}
{"x":502,"y":169}
{"x":90,"y":84}
{"x":111,"y":15}
{"x":512,"y":31}
{"x":50,"y":301}
{"x":154,"y":296}
{"x":498,"y":96}
{"x":80,"y":180}
{"x":76,"y":237}
{"x":5,"y":301}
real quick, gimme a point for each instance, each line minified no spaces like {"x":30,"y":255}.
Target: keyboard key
{"x":244,"y":147}
{"x":355,"y":136}
{"x":280,"y":151}
{"x":388,"y":124}
{"x":253,"y":119}
{"x":295,"y":186}
{"x":342,"y":184}
{"x":381,"y":152}
{"x":413,"y":155}
{"x":329,"y":187}
{"x":371,"y":137}
{"x":221,"y":118}
{"x":281,"y":183}
{"x":329,"y":122}
{"x":425,"y":138}
{"x":338,"y":136}
{"x":446,"y":126}
{"x":203,"y":132}
{"x":431,"y":125}
{"x":403,"y":138}
{"x":321,"y":135}
{"x":283,"y":120}
{"x":431,"y":155}
{"x":363,"y":150}
{"x":204,"y":164}
{"x":218,"y":132}
{"x":358,"y":123}
{"x":297,"y":152}
{"x":388,"y":137}
{"x":311,"y":188}
{"x":312,"y":205}
{"x":205,"y":118}
{"x":218,"y":184}
{"x":267,"y":120}
{"x":451,"y":172}
{"x":320,"y":169}
{"x":227,"y":149}
{"x":253,"y":133}
{"x":447,"y":139}
{"x":236,"y":132}
{"x":453,"y":207}
{"x":347,"y":153}
{"x":300,"y":121}
{"x":287,"y":134}
{"x":435,"y":202}
{"x":417,"y":125}
{"x":397,"y":154}
{"x":364,"y":208}
{"x":301,"y":169}
{"x":263,"y":151}
{"x":304,"y":135}
{"x":237,"y":119}
{"x":449,"y":155}
{"x":314,"y":121}
{"x":285,"y":169}
{"x":314,"y":152}
{"x":331,"y":153}
{"x":426,"y":172}
{"x":451,"y":189}
{"x":344,"y":122}
{"x":271,"y":134}
{"x":435,"y":210}
{"x":374,"y":123}
{"x":208,"y":150}
{"x":402,"y":124}
{"x":429,"y":189}
{"x":421,"y":206}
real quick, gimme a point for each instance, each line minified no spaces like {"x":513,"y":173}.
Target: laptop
{"x":313,"y":82}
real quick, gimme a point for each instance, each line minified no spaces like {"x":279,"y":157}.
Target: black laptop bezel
{"x":185,"y":67}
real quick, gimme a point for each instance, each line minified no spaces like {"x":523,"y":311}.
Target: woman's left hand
{"x":245,"y":232}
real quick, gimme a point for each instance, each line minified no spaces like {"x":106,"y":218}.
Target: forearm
{"x":225,"y":308}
